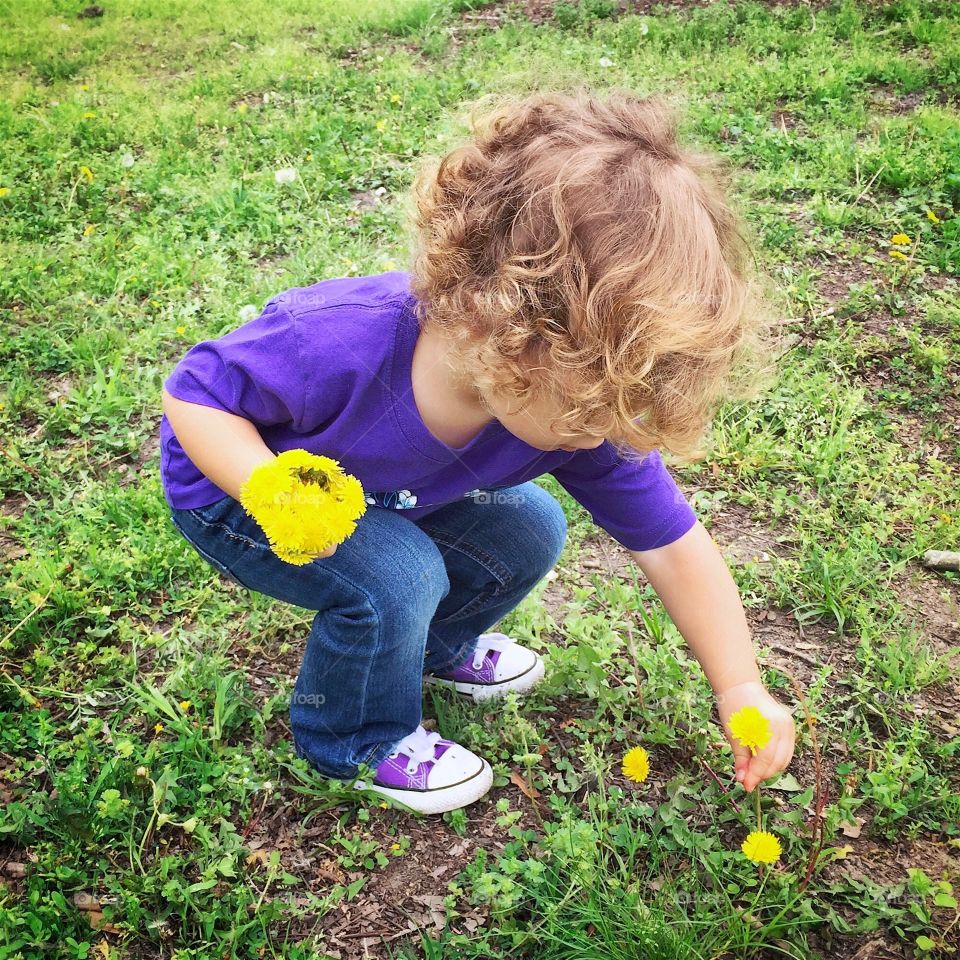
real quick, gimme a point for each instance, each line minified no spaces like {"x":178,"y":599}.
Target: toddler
{"x":577,"y":299}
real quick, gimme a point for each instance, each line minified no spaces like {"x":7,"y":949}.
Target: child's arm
{"x":691,"y":578}
{"x":225,"y":448}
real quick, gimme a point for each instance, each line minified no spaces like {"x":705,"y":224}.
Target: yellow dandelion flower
{"x":242,"y":108}
{"x":89,"y":115}
{"x":932,"y":217}
{"x":86,"y":173}
{"x":394,"y":847}
{"x":396,"y":98}
{"x":899,"y":255}
{"x":636,"y":764}
{"x":181,"y":330}
{"x":184,"y":705}
{"x":761,"y":847}
{"x":390,"y":265}
{"x":285,"y":528}
{"x":4,"y":191}
{"x":158,"y":728}
{"x":751,"y":728}
{"x":900,"y":238}
{"x":89,"y":228}
{"x":304,"y":502}
{"x":381,"y":125}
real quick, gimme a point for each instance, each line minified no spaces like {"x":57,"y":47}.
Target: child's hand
{"x":775,"y":756}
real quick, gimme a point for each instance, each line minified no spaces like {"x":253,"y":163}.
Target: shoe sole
{"x":443,"y":798}
{"x":492,"y":691}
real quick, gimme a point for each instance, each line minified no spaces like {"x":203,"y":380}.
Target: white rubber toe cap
{"x":457,"y":779}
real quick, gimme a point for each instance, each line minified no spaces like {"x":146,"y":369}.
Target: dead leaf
{"x":98,"y":923}
{"x":852,"y":829}
{"x":257,"y":856}
{"x":529,"y":791}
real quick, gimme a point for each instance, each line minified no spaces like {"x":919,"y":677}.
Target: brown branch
{"x":819,"y":795}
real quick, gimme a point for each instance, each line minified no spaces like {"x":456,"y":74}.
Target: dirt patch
{"x":884,"y":98}
{"x":492,"y":15}
{"x":934,"y":600}
{"x":14,"y":505}
{"x":854,"y":294}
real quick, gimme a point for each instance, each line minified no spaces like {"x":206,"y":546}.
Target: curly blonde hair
{"x":572,"y":250}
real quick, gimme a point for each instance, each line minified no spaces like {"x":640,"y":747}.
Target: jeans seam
{"x":499,"y":572}
{"x":221,"y":567}
{"x":374,"y":750}
{"x":230,"y":533}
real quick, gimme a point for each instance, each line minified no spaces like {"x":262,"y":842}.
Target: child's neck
{"x":452,"y":411}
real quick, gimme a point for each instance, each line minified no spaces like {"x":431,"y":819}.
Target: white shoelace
{"x":489,"y":642}
{"x":418,"y":746}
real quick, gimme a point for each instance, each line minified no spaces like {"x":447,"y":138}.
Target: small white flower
{"x":285,"y":175}
{"x":266,"y":98}
{"x":605,"y":62}
{"x":127,"y":160}
{"x":644,"y":28}
{"x":248,"y":312}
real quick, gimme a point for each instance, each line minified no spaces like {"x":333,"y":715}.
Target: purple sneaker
{"x":497,"y":666}
{"x":430,"y":774}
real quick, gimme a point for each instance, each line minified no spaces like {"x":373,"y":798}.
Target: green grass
{"x":145,"y":760}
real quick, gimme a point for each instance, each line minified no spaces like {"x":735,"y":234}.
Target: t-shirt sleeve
{"x":253,"y":372}
{"x":638,"y":504}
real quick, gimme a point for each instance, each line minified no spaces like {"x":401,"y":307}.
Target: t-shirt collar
{"x":411,"y":424}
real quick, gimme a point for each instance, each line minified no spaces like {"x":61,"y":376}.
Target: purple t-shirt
{"x":327,"y":368}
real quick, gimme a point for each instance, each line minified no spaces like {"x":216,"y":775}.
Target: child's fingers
{"x":784,"y":754}
{"x":761,"y":766}
{"x":740,"y":767}
{"x":773,"y":761}
{"x":741,"y":758}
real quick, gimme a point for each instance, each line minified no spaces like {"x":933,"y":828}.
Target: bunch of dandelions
{"x":304,"y":503}
{"x":752,"y":729}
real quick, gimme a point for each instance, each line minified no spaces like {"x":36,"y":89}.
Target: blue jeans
{"x":398,"y":598}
